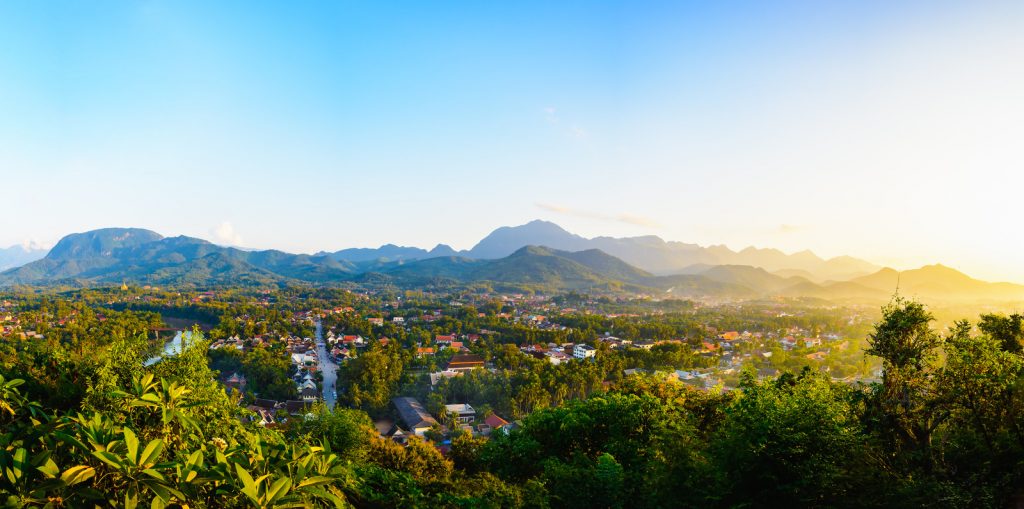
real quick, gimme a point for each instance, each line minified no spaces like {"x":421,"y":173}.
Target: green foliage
{"x":943,"y":428}
{"x":370,"y":380}
{"x":348,"y":432}
{"x":267,"y":372}
{"x":1008,"y":330}
{"x":794,"y":441}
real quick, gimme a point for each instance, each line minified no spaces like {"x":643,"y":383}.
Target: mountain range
{"x":16,"y":256}
{"x":649,"y":253}
{"x":510,"y":257}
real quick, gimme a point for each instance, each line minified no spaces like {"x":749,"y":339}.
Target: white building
{"x":556,"y":357}
{"x":583,"y":351}
{"x":466,"y":414}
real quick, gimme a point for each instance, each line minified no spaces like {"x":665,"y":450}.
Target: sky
{"x":889,"y":130}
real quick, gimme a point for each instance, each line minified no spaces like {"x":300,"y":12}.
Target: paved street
{"x":327,"y":367}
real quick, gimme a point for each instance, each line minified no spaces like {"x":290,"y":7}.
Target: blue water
{"x":171,"y":348}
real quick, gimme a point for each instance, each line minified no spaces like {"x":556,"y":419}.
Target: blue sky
{"x":886,"y":130}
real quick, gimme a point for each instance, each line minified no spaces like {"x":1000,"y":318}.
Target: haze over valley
{"x":538,"y":255}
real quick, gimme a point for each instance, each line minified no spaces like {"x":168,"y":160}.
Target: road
{"x":327,"y":367}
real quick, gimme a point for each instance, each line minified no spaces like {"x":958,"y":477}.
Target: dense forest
{"x":84,"y":422}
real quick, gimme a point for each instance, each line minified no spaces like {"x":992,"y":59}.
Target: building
{"x":466,"y":362}
{"x":584,"y":351}
{"x":556,"y":357}
{"x":435,"y":378}
{"x":261,"y":416}
{"x":495,"y":423}
{"x":236,"y":381}
{"x":309,"y":394}
{"x":465,"y":413}
{"x":297,"y":407}
{"x":412,"y":413}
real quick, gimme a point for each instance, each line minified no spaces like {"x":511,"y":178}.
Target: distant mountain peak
{"x":20,"y":254}
{"x":442,"y":250}
{"x":508,"y":239}
{"x":102,"y":242}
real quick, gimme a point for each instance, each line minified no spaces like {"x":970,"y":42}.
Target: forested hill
{"x":113,"y":255}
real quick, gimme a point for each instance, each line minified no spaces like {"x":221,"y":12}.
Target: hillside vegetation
{"x":942,"y":429}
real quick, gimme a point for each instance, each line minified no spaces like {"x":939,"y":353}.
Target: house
{"x":412,"y":413}
{"x":464,"y":413}
{"x":375,"y":321}
{"x":263,"y":416}
{"x":441,"y":339}
{"x":685,"y":375}
{"x":297,"y":407}
{"x":309,"y":394}
{"x":424,"y":351}
{"x":268,"y":404}
{"x":436,"y":378}
{"x":302,"y":359}
{"x":353,"y":340}
{"x":236,"y":381}
{"x":397,"y":435}
{"x":495,"y":422}
{"x":816,"y":356}
{"x":584,"y":351}
{"x":398,"y":320}
{"x":465,"y":362}
{"x":556,"y":357}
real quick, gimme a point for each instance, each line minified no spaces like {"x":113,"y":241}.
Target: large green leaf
{"x":250,"y":488}
{"x":150,"y":453}
{"x":132,"y":443}
{"x":77,"y":474}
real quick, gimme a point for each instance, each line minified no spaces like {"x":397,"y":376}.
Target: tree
{"x":1008,"y":330}
{"x":348,"y":432}
{"x":983,"y":383}
{"x":789,"y":442}
{"x":370,"y":380}
{"x":907,"y":400}
{"x":267,"y":373}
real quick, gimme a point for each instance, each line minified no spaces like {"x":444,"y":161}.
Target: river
{"x":171,"y":348}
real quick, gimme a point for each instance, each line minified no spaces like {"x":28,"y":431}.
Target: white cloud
{"x":33,"y":245}
{"x":551,"y":115}
{"x":574,"y":131}
{"x":225,"y":234}
{"x":619,"y":218}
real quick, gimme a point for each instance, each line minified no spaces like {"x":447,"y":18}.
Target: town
{"x":441,"y":365}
